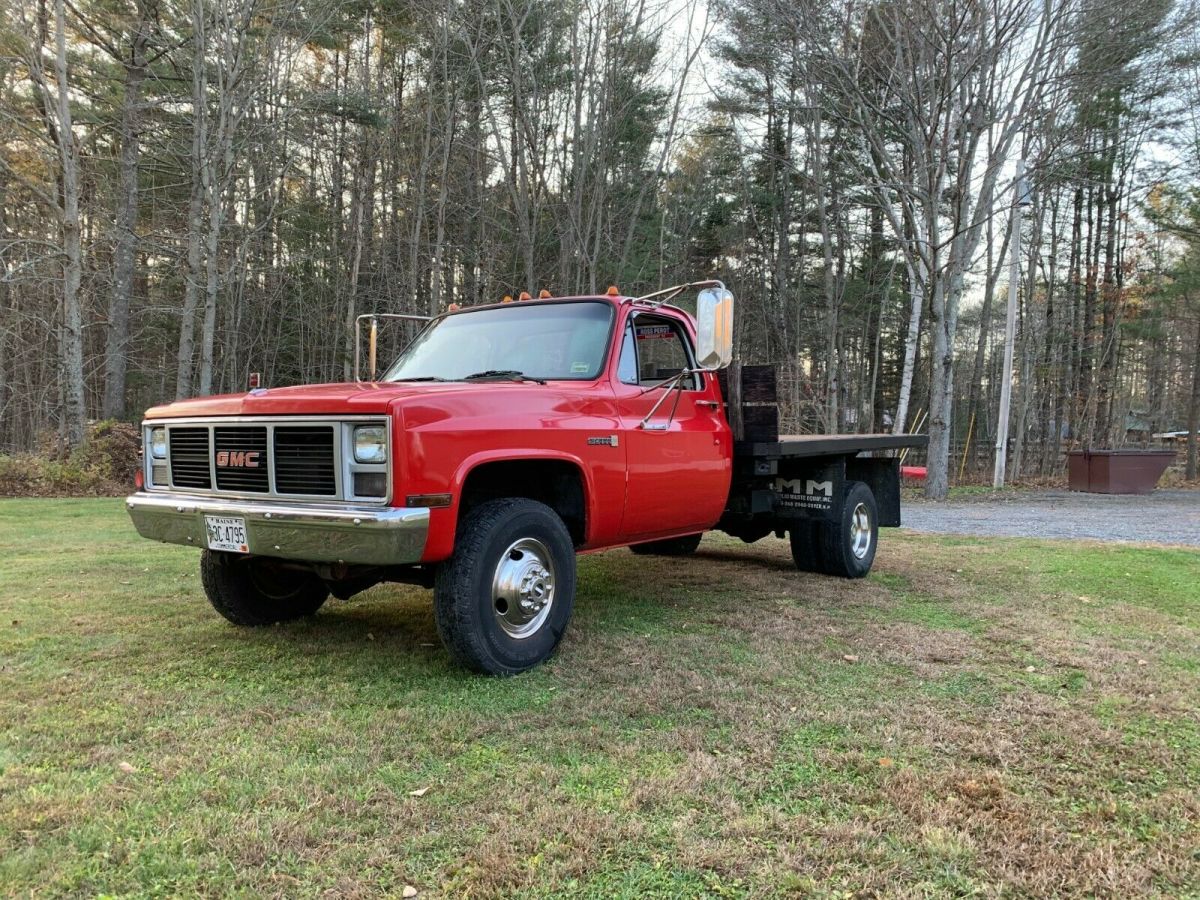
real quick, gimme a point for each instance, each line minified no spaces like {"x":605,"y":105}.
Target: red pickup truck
{"x":504,"y":440}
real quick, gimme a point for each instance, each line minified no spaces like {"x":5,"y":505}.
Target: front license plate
{"x":226,"y":533}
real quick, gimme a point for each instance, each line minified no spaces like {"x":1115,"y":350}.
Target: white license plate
{"x":226,"y":533}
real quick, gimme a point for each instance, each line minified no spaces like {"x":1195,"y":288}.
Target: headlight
{"x":370,"y":444}
{"x":158,"y":443}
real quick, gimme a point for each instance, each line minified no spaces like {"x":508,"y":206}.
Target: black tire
{"x":837,"y":542}
{"x":680,"y":546}
{"x":254,"y":591}
{"x":806,"y":546}
{"x":477,"y":627}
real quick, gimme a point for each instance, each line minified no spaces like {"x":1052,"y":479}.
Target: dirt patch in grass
{"x":961,"y":722}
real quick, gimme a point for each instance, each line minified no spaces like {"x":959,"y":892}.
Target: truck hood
{"x":357,"y":399}
{"x":365,"y":398}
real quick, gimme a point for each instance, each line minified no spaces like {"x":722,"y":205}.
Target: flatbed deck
{"x":804,"y":445}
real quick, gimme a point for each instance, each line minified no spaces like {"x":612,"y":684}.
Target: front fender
{"x":444,"y":521}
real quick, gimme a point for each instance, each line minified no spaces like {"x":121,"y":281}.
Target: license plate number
{"x":226,"y":533}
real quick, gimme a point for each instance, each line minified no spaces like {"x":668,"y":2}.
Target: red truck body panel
{"x":644,"y":485}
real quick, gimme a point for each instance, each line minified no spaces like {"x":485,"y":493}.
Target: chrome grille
{"x":233,"y":444}
{"x":190,"y":458}
{"x":304,"y":460}
{"x":298,"y":458}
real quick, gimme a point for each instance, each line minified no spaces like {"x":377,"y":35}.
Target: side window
{"x":627,"y":367}
{"x":654,"y":350}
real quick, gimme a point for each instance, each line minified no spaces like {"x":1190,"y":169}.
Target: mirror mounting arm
{"x":373,"y":319}
{"x":670,"y":293}
{"x":714,"y":319}
{"x":672,"y":384}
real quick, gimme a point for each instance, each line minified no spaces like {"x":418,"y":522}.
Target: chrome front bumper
{"x":309,"y":532}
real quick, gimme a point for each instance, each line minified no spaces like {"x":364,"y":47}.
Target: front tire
{"x":255,"y":591}
{"x":680,"y":546}
{"x":503,"y":600}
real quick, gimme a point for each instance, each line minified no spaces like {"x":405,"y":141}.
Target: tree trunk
{"x":358,"y":207}
{"x":1194,"y":410}
{"x":941,"y":392}
{"x":991,"y":275}
{"x":125,"y":254}
{"x":916,"y":295}
{"x":74,"y":404}
{"x":195,"y":235}
{"x":212,"y":236}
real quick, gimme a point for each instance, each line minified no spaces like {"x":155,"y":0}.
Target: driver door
{"x":679,"y":455}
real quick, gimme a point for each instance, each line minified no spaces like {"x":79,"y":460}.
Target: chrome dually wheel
{"x":860,"y":531}
{"x":845,"y":545}
{"x":503,"y":600}
{"x":523,"y":588}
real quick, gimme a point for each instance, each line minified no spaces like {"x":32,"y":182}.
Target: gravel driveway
{"x":1164,"y":517}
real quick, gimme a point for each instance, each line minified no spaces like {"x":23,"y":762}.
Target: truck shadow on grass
{"x":747,"y":557}
{"x":626,"y":606}
{"x":388,"y":633}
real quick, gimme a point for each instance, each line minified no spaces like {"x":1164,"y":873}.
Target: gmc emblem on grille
{"x":237,"y":459}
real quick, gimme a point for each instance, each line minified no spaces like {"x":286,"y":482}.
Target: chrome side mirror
{"x":714,"y":327}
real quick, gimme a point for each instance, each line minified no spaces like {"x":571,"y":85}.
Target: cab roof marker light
{"x":507,"y":298}
{"x":612,"y":291}
{"x":524,"y":295}
{"x":544,"y":294}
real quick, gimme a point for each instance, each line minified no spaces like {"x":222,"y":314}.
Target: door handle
{"x":711,"y":404}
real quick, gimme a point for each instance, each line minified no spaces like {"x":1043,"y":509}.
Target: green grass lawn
{"x":977,"y":717}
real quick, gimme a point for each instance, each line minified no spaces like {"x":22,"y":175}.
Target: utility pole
{"x":1020,"y":201}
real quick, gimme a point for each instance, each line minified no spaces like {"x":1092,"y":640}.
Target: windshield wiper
{"x":423,"y":378}
{"x":503,"y":373}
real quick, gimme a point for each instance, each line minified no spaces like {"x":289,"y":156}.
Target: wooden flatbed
{"x":793,"y":446}
{"x":801,"y":484}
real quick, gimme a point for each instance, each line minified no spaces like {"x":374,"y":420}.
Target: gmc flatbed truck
{"x":505,"y":439}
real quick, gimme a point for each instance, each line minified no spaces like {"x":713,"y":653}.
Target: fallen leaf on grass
{"x":409,"y":891}
{"x":1031,"y":668}
{"x":126,"y":767}
{"x":850,"y":657}
{"x":886,"y":762}
{"x":419,"y":792}
{"x":1142,"y":662}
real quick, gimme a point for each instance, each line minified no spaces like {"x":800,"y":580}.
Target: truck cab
{"x":504,"y":440}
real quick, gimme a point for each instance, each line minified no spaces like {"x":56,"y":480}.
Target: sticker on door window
{"x":654,"y":332}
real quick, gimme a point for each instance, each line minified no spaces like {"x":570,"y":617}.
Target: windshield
{"x":543,"y":340}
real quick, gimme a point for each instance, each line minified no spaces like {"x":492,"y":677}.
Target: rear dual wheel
{"x":844,"y":547}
